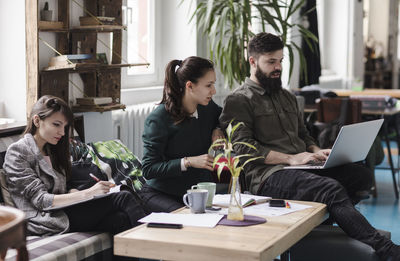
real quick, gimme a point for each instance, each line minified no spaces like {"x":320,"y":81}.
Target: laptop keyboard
{"x":316,"y":163}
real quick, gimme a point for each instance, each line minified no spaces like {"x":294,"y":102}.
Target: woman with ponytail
{"x":178,"y":133}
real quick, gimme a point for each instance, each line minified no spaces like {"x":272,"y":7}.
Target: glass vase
{"x":235,"y":211}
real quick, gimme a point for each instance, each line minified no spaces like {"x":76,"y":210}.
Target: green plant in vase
{"x":228,"y":159}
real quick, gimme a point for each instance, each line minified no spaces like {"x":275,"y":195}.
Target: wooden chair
{"x":13,"y":232}
{"x":328,"y":110}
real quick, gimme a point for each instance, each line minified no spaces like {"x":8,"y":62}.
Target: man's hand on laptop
{"x":306,"y":157}
{"x":323,"y":154}
{"x":301,"y":158}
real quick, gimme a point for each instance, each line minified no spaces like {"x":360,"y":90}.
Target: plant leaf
{"x":237,"y":125}
{"x":216,"y":159}
{"x":252,"y":159}
{"x":220,"y":169}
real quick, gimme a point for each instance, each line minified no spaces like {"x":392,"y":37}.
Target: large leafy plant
{"x":232,"y":160}
{"x":228,"y":25}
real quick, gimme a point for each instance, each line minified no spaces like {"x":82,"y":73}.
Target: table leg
{"x":398,"y":150}
{"x":374,"y":190}
{"x":23,"y":254}
{"x":3,"y":255}
{"x":386,"y":134}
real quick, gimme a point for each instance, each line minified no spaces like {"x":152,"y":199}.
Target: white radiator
{"x":129,"y":125}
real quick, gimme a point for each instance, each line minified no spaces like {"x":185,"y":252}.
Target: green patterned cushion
{"x":113,"y":158}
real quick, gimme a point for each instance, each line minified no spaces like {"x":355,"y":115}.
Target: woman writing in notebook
{"x":37,"y":168}
{"x":178,"y":133}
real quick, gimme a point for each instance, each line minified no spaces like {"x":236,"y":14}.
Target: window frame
{"x":146,"y":79}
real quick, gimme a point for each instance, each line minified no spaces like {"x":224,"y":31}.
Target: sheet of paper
{"x":194,"y":220}
{"x":76,"y":203}
{"x":115,"y":189}
{"x":223,"y":199}
{"x":265,"y":210}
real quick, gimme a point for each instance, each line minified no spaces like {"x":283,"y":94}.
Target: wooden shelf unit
{"x":98,"y":108}
{"x":82,"y":67}
{"x":99,"y":79}
{"x":99,"y":28}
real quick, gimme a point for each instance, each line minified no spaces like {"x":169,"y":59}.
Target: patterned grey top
{"x":32,"y":183}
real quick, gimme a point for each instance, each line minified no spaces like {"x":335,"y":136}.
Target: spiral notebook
{"x":112,"y":190}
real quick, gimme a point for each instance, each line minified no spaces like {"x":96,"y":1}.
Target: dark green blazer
{"x":165,"y":144}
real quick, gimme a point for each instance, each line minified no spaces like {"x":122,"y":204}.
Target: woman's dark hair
{"x":59,"y":153}
{"x":190,"y":69}
{"x":264,"y":43}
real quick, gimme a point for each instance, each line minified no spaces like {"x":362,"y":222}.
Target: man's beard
{"x":271,"y":85}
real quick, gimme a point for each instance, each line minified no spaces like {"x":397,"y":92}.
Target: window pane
{"x":139,"y":19}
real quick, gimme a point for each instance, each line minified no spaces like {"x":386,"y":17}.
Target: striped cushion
{"x":70,"y":246}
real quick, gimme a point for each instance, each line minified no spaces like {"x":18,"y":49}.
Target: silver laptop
{"x":351,"y":145}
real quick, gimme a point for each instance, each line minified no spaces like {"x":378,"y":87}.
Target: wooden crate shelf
{"x":81,"y":67}
{"x":98,"y":108}
{"x":98,"y":79}
{"x":51,"y":26}
{"x":98,"y":28}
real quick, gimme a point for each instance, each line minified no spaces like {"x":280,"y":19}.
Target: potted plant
{"x":228,"y":159}
{"x":228,"y":25}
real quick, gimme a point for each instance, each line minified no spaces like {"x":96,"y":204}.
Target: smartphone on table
{"x":280,"y":203}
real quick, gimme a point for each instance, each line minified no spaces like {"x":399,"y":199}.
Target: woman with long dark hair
{"x":37,"y":168}
{"x":178,"y":133}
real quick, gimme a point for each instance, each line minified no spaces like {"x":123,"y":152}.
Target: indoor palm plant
{"x":229,"y":25}
{"x":232,"y":162}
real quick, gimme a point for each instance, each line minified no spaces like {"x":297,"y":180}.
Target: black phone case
{"x":164,"y":225}
{"x":280,"y":203}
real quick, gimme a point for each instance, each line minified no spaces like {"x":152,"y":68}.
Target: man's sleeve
{"x":238,"y":108}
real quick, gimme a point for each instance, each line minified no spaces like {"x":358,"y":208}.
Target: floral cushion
{"x":108,"y":160}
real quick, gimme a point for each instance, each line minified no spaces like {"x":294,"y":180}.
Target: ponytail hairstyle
{"x":177,"y":74}
{"x":59,"y":153}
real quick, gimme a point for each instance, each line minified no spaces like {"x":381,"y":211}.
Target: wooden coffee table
{"x":259,"y":242}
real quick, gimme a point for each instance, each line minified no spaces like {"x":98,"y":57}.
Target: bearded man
{"x":274,"y":125}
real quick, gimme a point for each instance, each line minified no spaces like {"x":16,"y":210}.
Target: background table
{"x":395,"y":93}
{"x":259,"y":242}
